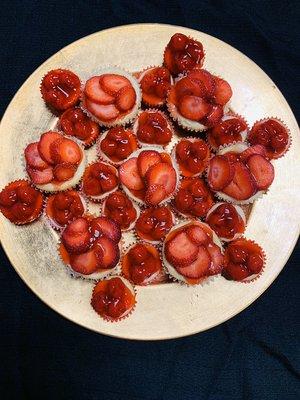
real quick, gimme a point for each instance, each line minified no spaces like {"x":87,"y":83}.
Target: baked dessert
{"x":155,"y":83}
{"x":99,"y":180}
{"x":192,"y":155}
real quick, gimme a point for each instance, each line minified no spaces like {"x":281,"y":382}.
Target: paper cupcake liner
{"x":128,"y":312}
{"x":290,"y":140}
{"x":100,"y":198}
{"x":128,"y":118}
{"x":103,"y":157}
{"x":136,"y":123}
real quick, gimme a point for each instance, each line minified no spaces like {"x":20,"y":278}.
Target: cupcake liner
{"x":128,"y":312}
{"x":136,"y":123}
{"x":100,"y":198}
{"x":126,"y":119}
{"x":290,"y":140}
{"x":103,"y":157}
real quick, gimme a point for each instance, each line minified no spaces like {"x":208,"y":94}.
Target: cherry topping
{"x":154,"y":223}
{"x":99,"y":178}
{"x":118,"y":144}
{"x":227,"y":132}
{"x":153,"y":128}
{"x":192,"y":156}
{"x":155,"y":86}
{"x":226,"y":221}
{"x":60,"y":89}
{"x":62,"y":208}
{"x":120,"y":208}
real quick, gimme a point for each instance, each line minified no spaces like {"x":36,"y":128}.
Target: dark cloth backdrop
{"x":255,"y":355}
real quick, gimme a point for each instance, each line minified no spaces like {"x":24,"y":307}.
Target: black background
{"x":255,"y":355}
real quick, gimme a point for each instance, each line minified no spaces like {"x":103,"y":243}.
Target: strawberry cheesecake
{"x":192,"y":156}
{"x":155,"y":84}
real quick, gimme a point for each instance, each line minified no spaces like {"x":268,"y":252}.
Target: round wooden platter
{"x":169,"y":310}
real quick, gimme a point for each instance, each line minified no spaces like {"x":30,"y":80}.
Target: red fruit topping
{"x":33,"y":158}
{"x":107,"y":252}
{"x":107,"y":227}
{"x":236,"y":272}
{"x":112,"y":83}
{"x":44,"y":145}
{"x":256,"y":149}
{"x":255,"y":263}
{"x":180,"y":250}
{"x":226,"y":221}
{"x":120,"y":208}
{"x":272,"y":134}
{"x":183,"y":200}
{"x":197,"y":235}
{"x":126,"y":98}
{"x":182,"y":54}
{"x":242,"y":186}
{"x":154,"y":223}
{"x":198,"y":268}
{"x":262,"y":171}
{"x":62,"y":208}
{"x":65,"y":151}
{"x":220,"y":173}
{"x":40,"y":177}
{"x":188,"y":87}
{"x":84,"y":263}
{"x":227,"y":132}
{"x":214,"y":116}
{"x":162,"y":174}
{"x":20,"y":202}
{"x":155,"y":194}
{"x":74,"y":122}
{"x":95,"y":93}
{"x":60,"y":89}
{"x":64,"y":172}
{"x":99,"y":178}
{"x":205,"y":80}
{"x":118,"y":144}
{"x":104,"y":112}
{"x":153,"y":128}
{"x":146,"y":159}
{"x":77,"y":237}
{"x":112,"y":299}
{"x":129,"y":174}
{"x":223,"y":91}
{"x":192,"y":156}
{"x":217,"y":259}
{"x":155,"y":86}
{"x":193,"y":107}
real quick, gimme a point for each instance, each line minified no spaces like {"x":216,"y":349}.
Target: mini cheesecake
{"x":155,"y":83}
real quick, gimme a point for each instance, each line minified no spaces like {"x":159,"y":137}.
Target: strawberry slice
{"x":213,"y":117}
{"x":63,"y":172}
{"x":199,"y":268}
{"x":220,"y":173}
{"x":155,"y":194}
{"x":180,"y":250}
{"x":146,"y":159}
{"x":76,"y":237}
{"x":40,"y":177}
{"x":105,"y":112}
{"x":86,"y":263}
{"x":44,"y":145}
{"x":205,"y":79}
{"x":197,"y":235}
{"x":223,"y":91}
{"x":256,"y":149}
{"x":65,"y":151}
{"x":107,"y":227}
{"x":188,"y":87}
{"x":112,"y":83}
{"x":107,"y":252}
{"x":162,"y":174}
{"x":33,"y":158}
{"x":126,"y":98}
{"x":94,"y":92}
{"x":262,"y":171}
{"x":242,"y":186}
{"x":217,"y":259}
{"x":129,"y":174}
{"x":193,"y":107}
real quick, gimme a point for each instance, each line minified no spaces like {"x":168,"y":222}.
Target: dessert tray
{"x":149,"y":186}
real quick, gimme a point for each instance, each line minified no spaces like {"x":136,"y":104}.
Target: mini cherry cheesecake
{"x":62,"y":208}
{"x":231,"y":128}
{"x":116,"y":145}
{"x":20,"y":202}
{"x":273,"y":135}
{"x":192,"y":252}
{"x":198,"y":99}
{"x":54,"y":163}
{"x":155,"y":83}
{"x":111,"y":98}
{"x":121,"y":209}
{"x":74,"y":122}
{"x":154,"y":223}
{"x":183,"y":54}
{"x":61,"y":89}
{"x":194,"y":198}
{"x":152,"y":127}
{"x":149,"y":176}
{"x":90,"y":247}
{"x":192,"y":156}
{"x":240,"y":174}
{"x":113,"y":298}
{"x":227,"y":220}
{"x":142,"y":265}
{"x":99,"y":180}
{"x":244,"y":260}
